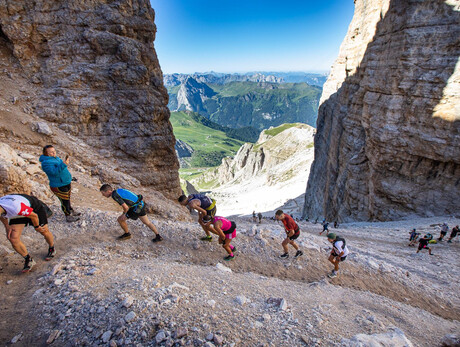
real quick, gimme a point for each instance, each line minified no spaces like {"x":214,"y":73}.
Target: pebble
{"x":218,"y":340}
{"x":106,"y":336}
{"x":212,"y":303}
{"x":210,"y":336}
{"x":130,"y":316}
{"x":93,"y":271}
{"x":181,"y":332}
{"x":128,"y":301}
{"x":160,"y":337}
{"x":241,"y":300}
{"x":9,"y":281}
{"x":266,"y":317}
{"x":113,"y":343}
{"x":283,"y":305}
{"x":16,"y":338}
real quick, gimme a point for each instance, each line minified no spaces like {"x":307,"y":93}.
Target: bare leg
{"x":15,"y":239}
{"x":122,"y":221}
{"x":293,"y":244}
{"x":285,"y":242}
{"x":226,"y":246}
{"x":147,"y":222}
{"x":48,"y":236}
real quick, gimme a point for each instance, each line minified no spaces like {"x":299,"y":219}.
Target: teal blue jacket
{"x":56,"y":170}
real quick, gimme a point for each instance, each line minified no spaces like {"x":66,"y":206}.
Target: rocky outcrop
{"x":192,"y":94}
{"x":98,"y":77}
{"x":388,"y":130}
{"x":183,"y":149}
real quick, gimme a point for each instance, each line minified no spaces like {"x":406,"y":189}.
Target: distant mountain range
{"x":259,"y":104}
{"x":314,"y":79}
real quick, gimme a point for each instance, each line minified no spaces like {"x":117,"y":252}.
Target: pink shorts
{"x":231,"y":236}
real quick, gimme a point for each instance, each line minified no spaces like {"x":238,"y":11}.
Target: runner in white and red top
{"x":225,"y":229}
{"x":18,"y":211}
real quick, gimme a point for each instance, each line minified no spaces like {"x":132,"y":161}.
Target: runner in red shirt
{"x":292,"y":231}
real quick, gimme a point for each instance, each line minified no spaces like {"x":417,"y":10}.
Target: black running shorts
{"x":133,"y":215}
{"x":295,"y":236}
{"x":40,"y":208}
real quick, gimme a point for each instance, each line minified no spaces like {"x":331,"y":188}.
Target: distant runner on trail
{"x":60,"y":180}
{"x":423,"y":243}
{"x":338,"y":254}
{"x":254,"y":216}
{"x":133,"y":208}
{"x":454,"y":232}
{"x":444,"y":230}
{"x":413,"y":237}
{"x":259,"y":215}
{"x":20,"y":210}
{"x":292,"y":233}
{"x":225,"y":229}
{"x":325,"y":226}
{"x":204,"y":205}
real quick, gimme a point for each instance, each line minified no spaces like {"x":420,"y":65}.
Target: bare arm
{"x":201,"y":211}
{"x":125,"y":208}
{"x":218,"y":226}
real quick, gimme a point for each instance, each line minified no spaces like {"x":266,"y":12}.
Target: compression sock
{"x":27,"y":257}
{"x":231,"y":254}
{"x":231,"y":247}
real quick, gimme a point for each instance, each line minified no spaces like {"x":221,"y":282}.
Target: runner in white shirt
{"x":18,"y":211}
{"x":339,"y":252}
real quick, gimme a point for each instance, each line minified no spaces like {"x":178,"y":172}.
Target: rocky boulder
{"x":98,"y":77}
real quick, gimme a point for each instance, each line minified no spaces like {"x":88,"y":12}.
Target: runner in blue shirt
{"x":133,"y":208}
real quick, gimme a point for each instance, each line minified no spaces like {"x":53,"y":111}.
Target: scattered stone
{"x":218,"y":340}
{"x":208,"y":344}
{"x":160,"y":337}
{"x":130,"y":316}
{"x":181,"y":332}
{"x":395,"y":337}
{"x":93,"y":271}
{"x":450,"y":340}
{"x":212,"y":303}
{"x":43,"y":128}
{"x":9,"y":281}
{"x":210,"y":336}
{"x":106,"y":336}
{"x":283,"y":305}
{"x":241,"y":300}
{"x":16,"y":338}
{"x":113,"y":343}
{"x":128,"y":301}
{"x":56,"y":268}
{"x":266,"y":317}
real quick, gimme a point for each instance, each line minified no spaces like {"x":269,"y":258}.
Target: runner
{"x":254,"y":216}
{"x":325,"y":226}
{"x":225,"y":229}
{"x":338,"y":254}
{"x":20,"y":210}
{"x":259,"y":215}
{"x":292,"y":231}
{"x":204,"y":205}
{"x":455,"y":231}
{"x":60,"y":180}
{"x":423,"y":243}
{"x":444,"y":230}
{"x":413,"y":237}
{"x":133,"y":208}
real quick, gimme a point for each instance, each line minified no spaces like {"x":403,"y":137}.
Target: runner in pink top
{"x":225,"y":229}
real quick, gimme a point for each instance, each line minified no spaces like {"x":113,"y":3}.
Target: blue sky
{"x":250,"y":35}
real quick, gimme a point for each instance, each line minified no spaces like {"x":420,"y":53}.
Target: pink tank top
{"x":226,"y":224}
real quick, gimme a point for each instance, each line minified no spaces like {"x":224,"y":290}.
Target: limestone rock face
{"x":98,"y":77}
{"x":192,"y":94}
{"x":388,"y":129}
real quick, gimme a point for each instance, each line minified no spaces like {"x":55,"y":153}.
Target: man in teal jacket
{"x":60,"y":180}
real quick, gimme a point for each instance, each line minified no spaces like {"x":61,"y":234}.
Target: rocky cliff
{"x":388,"y":130}
{"x":97,"y":76}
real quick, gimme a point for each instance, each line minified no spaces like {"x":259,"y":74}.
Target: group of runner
{"x":19,"y":210}
{"x":428,"y":238}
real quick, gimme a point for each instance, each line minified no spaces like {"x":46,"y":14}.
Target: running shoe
{"x":206,"y":238}
{"x":51,"y":254}
{"x":74,"y":213}
{"x":28,"y":264}
{"x":298,"y":254}
{"x":125,"y":236}
{"x":284,"y":255}
{"x":229,"y":257}
{"x":158,"y":238}
{"x":71,"y":219}
{"x":332,"y":274}
{"x":234,"y":249}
